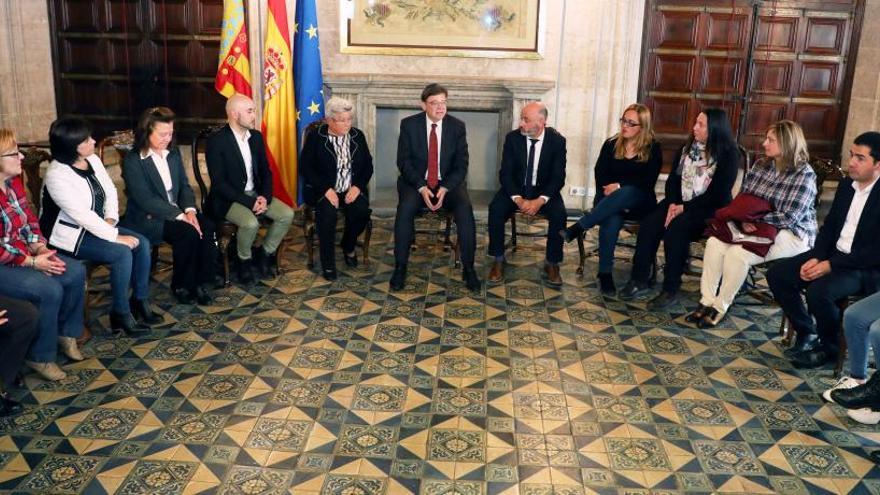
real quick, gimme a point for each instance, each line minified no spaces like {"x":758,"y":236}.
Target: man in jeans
{"x":241,"y":188}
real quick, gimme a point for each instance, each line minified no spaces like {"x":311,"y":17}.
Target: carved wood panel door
{"x":760,"y":60}
{"x":114,"y":58}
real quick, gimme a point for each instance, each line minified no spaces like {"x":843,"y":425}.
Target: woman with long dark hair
{"x":703,"y":174}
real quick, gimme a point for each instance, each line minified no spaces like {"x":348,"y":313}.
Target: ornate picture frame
{"x":448,"y":28}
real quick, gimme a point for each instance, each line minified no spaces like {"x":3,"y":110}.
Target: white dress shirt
{"x":160,"y":160}
{"x":856,"y":207}
{"x":439,"y":131}
{"x":245,"y":149}
{"x":533,"y":180}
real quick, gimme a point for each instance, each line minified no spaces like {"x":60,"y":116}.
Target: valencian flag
{"x":279,"y":120}
{"x":233,"y":69}
{"x":307,"y":67}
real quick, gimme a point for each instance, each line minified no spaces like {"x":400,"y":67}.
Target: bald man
{"x":532,"y":174}
{"x":241,"y":189}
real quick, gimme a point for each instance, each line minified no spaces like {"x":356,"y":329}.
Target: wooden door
{"x":759,"y":60}
{"x":114,"y":58}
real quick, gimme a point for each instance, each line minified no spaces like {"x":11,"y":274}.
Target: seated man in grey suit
{"x":432,"y":156}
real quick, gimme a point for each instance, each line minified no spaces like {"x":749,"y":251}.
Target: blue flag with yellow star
{"x":309,"y":99}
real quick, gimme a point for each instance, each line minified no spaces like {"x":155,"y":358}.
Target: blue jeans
{"x":128,"y":268}
{"x":861,"y":324}
{"x":609,"y":213}
{"x":59,"y":299}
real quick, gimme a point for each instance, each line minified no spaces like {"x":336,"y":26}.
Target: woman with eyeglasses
{"x":703,"y":174}
{"x":626,"y":173}
{"x":336,"y":165}
{"x":787,"y":182}
{"x":80,"y":212}
{"x":162,"y":206}
{"x":52,"y":282}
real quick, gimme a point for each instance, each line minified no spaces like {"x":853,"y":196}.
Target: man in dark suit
{"x":241,"y":188}
{"x":532,"y":174}
{"x":843,"y":262}
{"x":432,"y":156}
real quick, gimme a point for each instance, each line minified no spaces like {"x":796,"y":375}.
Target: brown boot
{"x":553,"y":278}
{"x":85,"y":337}
{"x":496,"y":274}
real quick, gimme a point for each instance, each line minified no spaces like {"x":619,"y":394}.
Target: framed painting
{"x":458,"y":28}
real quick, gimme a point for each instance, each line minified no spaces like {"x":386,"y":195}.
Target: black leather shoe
{"x":351,"y":261}
{"x":470,"y":279}
{"x":804,"y":342}
{"x":572,"y":232}
{"x":203,"y":296}
{"x":126,"y":323}
{"x":330,"y":274}
{"x":141,"y":310}
{"x":606,"y":283}
{"x":631,"y":290}
{"x":183,"y":296}
{"x":398,"y":278}
{"x":9,"y":407}
{"x":813,"y":359}
{"x":662,"y":300}
{"x":265,"y":264}
{"x":864,"y":395}
{"x":245,"y":271}
{"x":697,"y":315}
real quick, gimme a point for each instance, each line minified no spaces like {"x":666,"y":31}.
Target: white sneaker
{"x":69,"y":348}
{"x":866,"y":416}
{"x":49,"y":371}
{"x":845,"y":382}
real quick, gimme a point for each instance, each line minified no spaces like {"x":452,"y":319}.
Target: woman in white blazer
{"x":80,"y":210}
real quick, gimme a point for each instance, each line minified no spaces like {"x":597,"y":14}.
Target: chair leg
{"x":310,"y":246}
{"x":368,"y":232}
{"x":786,"y":332}
{"x":279,"y":254}
{"x":583,"y":255}
{"x":841,"y":355}
{"x":448,"y":232}
{"x":223,"y":244}
{"x":513,"y":232}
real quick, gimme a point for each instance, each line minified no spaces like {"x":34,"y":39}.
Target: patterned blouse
{"x":18,"y":224}
{"x":792,"y":194}
{"x":342,"y":148}
{"x":696,"y":171}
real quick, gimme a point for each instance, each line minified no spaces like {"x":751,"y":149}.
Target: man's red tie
{"x":433,"y":160}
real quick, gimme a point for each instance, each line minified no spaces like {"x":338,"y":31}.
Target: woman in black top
{"x":626,"y":173}
{"x":701,"y":181}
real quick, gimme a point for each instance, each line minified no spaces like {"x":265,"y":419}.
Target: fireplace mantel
{"x":370,"y":91}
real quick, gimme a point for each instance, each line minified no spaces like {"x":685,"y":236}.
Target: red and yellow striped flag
{"x":279,"y":117}
{"x":234,"y":68}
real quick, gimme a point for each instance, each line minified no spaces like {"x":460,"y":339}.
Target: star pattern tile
{"x":298,"y":385}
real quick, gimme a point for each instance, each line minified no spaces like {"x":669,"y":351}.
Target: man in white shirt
{"x":241,"y":189}
{"x":843,"y":262}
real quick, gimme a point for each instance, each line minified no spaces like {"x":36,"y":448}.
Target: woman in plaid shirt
{"x":785,"y":179}
{"x":31,"y":271}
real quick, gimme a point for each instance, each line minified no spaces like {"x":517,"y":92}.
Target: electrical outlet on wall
{"x":577,"y":191}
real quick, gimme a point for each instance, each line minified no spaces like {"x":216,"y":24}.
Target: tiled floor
{"x":303,"y":386}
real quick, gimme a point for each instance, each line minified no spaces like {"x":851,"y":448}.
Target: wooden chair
{"x":226,"y":230}
{"x":519,"y":218}
{"x":439,"y":217}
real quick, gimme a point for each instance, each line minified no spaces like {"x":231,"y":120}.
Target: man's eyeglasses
{"x":629,"y":123}
{"x":436,"y":104}
{"x":10,"y":154}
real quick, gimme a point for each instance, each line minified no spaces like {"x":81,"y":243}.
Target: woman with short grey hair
{"x":337,"y":166}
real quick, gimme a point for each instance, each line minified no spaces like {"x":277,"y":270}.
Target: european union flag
{"x":309,"y":99}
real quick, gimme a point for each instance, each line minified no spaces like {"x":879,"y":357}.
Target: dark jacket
{"x":551,"y":164}
{"x":148,"y":206}
{"x":718,"y":193}
{"x":745,"y":207}
{"x":228,"y":174}
{"x":412,"y":151}
{"x":317,"y":163}
{"x":865,"y":251}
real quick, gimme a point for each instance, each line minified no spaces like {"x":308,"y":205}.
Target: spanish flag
{"x":279,"y":118}
{"x":233,"y":69}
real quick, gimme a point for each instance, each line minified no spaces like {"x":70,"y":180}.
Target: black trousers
{"x":15,"y":336}
{"x":502,"y":207}
{"x":195,"y":259}
{"x":822,"y":295}
{"x":677,"y":238}
{"x":457,"y":201}
{"x":357,"y":214}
